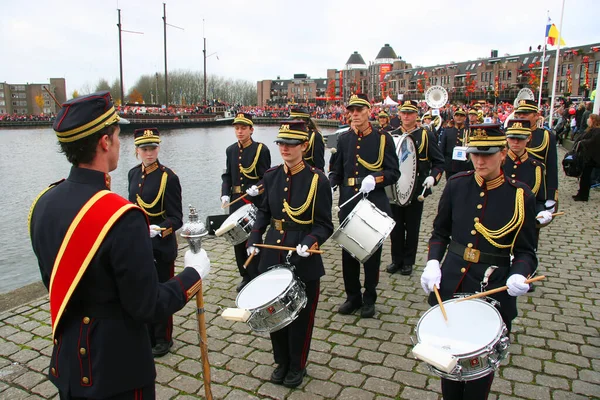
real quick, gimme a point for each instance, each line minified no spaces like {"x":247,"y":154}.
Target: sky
{"x":264,"y":39}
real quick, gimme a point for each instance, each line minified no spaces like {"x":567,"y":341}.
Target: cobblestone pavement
{"x":555,"y":351}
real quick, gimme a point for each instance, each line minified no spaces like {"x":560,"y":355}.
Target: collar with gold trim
{"x":490,"y":185}
{"x":245,"y":144}
{"x":366,"y":132}
{"x":150,"y":168}
{"x":515,"y":157}
{"x":295,"y":169}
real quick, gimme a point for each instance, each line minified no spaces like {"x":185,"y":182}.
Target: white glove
{"x":516,"y":285}
{"x":252,"y":249}
{"x":198,"y":261}
{"x":368,"y":184}
{"x":431,"y":276}
{"x":154,"y":231}
{"x":333,"y":150}
{"x":224,"y":199}
{"x":550,"y":205}
{"x":252,"y":191}
{"x":544,"y":217}
{"x":429,"y":182}
{"x":301,"y":249}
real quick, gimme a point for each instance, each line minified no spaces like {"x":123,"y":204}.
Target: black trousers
{"x":145,"y":393}
{"x":405,"y":235}
{"x":162,"y":332}
{"x":585,"y":182}
{"x":351,"y":272}
{"x":292,"y":343}
{"x":241,"y":255}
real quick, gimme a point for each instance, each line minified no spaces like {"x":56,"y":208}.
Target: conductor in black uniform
{"x":483,"y":219}
{"x":315,"y":153}
{"x":366,"y":161}
{"x":430,"y":164}
{"x":156,"y":190}
{"x":101,"y":346}
{"x":453,"y":137}
{"x":247,"y":161}
{"x":297,"y":206}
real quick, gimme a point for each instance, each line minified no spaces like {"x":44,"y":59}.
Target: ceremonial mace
{"x":193,"y":231}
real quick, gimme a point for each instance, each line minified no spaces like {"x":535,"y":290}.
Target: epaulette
{"x":37,"y":198}
{"x":462,"y":174}
{"x":273,"y":168}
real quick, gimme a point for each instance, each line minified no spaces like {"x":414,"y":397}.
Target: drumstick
{"x":439,"y":299}
{"x":249,"y":259}
{"x":337,"y":209}
{"x":553,"y":215}
{"x":271,"y":246}
{"x":200,"y":316}
{"x":500,"y":289}
{"x":239,"y":198}
{"x":159,"y":229}
{"x":421,"y":197}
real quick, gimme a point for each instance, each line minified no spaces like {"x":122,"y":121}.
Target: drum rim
{"x":282,"y":267}
{"x":407,"y":136}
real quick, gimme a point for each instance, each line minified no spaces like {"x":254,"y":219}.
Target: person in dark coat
{"x":96,"y":258}
{"x":366,"y":161}
{"x":297,"y":207}
{"x":156,"y":190}
{"x":384,"y":121}
{"x":315,"y":153}
{"x":452,"y":137}
{"x":589,"y":145}
{"x":246,"y":163}
{"x":485,"y":227}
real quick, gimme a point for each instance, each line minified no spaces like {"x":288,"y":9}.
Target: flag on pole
{"x":552,"y":34}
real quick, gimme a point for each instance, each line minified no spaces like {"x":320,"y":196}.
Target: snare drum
{"x":238,"y":225}
{"x":474,"y":334}
{"x":401,"y":192}
{"x":274,"y":299}
{"x":364,"y":230}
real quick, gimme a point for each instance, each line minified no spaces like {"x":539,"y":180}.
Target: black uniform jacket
{"x":430,"y":160}
{"x":452,"y":137}
{"x":243,"y":169}
{"x":531,"y":172}
{"x":543,"y":148}
{"x":117,"y":295}
{"x":315,"y":153}
{"x":162,"y":204}
{"x":302,"y":187}
{"x":367,"y":146}
{"x":466,"y":201}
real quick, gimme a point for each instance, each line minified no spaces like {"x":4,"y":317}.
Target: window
{"x":596,"y":66}
{"x":547,"y":57}
{"x":525,"y":60}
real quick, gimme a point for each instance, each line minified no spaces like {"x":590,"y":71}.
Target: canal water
{"x":31,"y":160}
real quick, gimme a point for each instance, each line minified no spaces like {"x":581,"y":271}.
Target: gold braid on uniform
{"x":161,"y":193}
{"x":310,"y":147}
{"x":534,"y":150}
{"x":424,"y":145}
{"x":33,"y":206}
{"x":247,"y":171}
{"x":297,"y":211}
{"x":515,"y":223}
{"x":538,"y":180}
{"x":379,"y":162}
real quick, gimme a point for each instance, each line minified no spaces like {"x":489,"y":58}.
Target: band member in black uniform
{"x":297,"y":206}
{"x":156,"y":190}
{"x":315,"y":153}
{"x":395,"y":121}
{"x":430,"y":166}
{"x":473,"y":117}
{"x":366,"y":162}
{"x":247,"y":162}
{"x":451,"y":138}
{"x":543,"y":148}
{"x":483,"y":219}
{"x":96,"y":258}
{"x":384,"y":121}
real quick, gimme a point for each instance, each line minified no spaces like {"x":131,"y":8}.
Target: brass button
{"x":240,"y":158}
{"x":85,"y":380}
{"x":463,"y":270}
{"x":359,"y":138}
{"x":357,"y":166}
{"x":86,"y":320}
{"x":82,"y":351}
{"x":53,"y":370}
{"x":513,"y":175}
{"x":515,"y":167}
{"x":473,"y":232}
{"x":282,"y":220}
{"x":358,"y":147}
{"x":513,"y":181}
{"x":287,"y":179}
{"x":278,"y":240}
{"x":356,"y":173}
{"x":469,"y":245}
{"x":139,"y":185}
{"x":356,"y":189}
{"x":283,"y":210}
{"x":143,"y":176}
{"x":55,"y":341}
{"x":285,"y":189}
{"x":476,"y":219}
{"x":281,"y":232}
{"x":481,"y":194}
{"x":479,"y":206}
{"x":357,"y":156}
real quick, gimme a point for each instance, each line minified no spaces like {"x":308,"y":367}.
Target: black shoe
{"x":406,"y":270}
{"x":368,"y":311}
{"x":294,"y":378}
{"x":241,"y":285}
{"x":531,"y":288}
{"x":349,"y":307}
{"x":578,"y":198}
{"x":161,"y":349}
{"x":279,"y":374}
{"x":393,"y":268}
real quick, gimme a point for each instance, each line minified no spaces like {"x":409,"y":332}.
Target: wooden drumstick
{"x":272,"y":246}
{"x":439,"y":299}
{"x":337,"y":209}
{"x":249,"y":259}
{"x":239,"y":198}
{"x":500,"y":289}
{"x":203,"y":342}
{"x":553,"y":215}
{"x":421,"y":197}
{"x":159,"y":229}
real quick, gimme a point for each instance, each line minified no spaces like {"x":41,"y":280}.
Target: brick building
{"x":31,"y":98}
{"x":302,"y":89}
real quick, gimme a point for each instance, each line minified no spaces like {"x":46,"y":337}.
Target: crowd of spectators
{"x":26,"y":118}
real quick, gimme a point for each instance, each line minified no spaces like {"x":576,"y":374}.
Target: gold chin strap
{"x":377,"y":165}
{"x":311,"y":198}
{"x":514,"y":224}
{"x":161,"y":193}
{"x":247,"y":171}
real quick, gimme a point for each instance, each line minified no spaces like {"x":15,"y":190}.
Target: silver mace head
{"x":193,"y":231}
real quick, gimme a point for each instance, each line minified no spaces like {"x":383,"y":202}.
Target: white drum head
{"x":472,"y":325}
{"x":407,"y":155}
{"x":264,"y":288}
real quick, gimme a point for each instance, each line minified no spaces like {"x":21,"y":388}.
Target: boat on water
{"x":174,"y":121}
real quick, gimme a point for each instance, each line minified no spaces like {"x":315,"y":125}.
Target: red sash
{"x":84,"y":237}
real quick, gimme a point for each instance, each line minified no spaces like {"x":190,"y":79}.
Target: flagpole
{"x":562,"y":12}
{"x":543,"y":62}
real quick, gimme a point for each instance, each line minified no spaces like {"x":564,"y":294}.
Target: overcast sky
{"x":263,"y":39}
